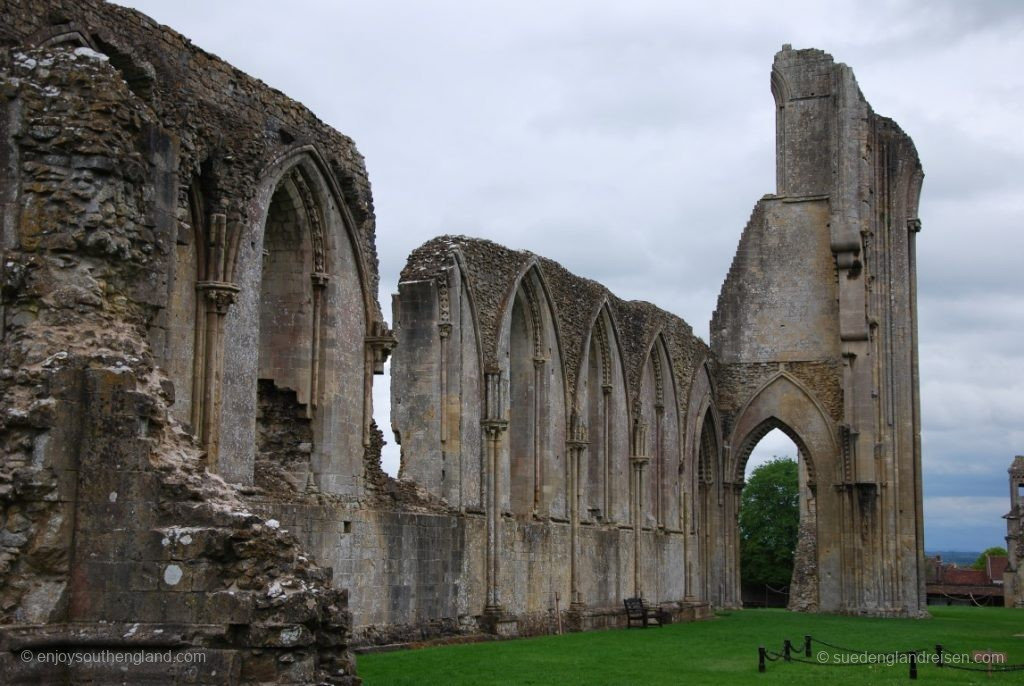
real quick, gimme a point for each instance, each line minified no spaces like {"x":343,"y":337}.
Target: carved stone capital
{"x":381,"y":342}
{"x":220,"y":295}
{"x":494,"y":427}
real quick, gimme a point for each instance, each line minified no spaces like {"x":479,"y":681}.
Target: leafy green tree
{"x":994,"y":550}
{"x":769,"y":523}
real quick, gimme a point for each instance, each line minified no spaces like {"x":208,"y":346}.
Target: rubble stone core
{"x":189,"y":332}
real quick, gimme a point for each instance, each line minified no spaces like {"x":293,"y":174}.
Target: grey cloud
{"x":630,"y":141}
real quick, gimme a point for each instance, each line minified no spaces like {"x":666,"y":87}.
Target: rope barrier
{"x":912,"y":658}
{"x":969,"y":595}
{"x":858,"y":650}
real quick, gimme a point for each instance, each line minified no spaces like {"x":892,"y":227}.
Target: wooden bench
{"x":637,"y":611}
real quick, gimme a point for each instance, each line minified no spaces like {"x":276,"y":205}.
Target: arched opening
{"x":777,"y":517}
{"x":524,"y":400}
{"x":708,"y":510}
{"x":285,"y":397}
{"x":598,"y":393}
{"x":659,"y":496}
{"x":536,"y":410}
{"x":784,"y":403}
{"x":769,"y":512}
{"x":294,"y":373}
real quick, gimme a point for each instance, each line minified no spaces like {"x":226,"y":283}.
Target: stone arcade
{"x":190,"y":332}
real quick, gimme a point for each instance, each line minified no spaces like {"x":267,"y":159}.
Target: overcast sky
{"x":630,"y":141}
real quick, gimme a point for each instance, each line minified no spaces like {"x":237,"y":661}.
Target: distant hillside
{"x":958,"y":557}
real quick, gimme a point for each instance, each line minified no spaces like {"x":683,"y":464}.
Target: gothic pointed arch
{"x":784,"y":403}
{"x":708,"y":515}
{"x":303,"y":330}
{"x":530,"y":353}
{"x":601,"y":402}
{"x":656,"y":416}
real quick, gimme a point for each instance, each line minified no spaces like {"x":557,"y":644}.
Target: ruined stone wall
{"x":815,"y":334}
{"x":115,"y":535}
{"x":455,"y":314}
{"x":229,"y":143}
{"x":190,"y":329}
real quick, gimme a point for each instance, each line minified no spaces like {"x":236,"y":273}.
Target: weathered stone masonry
{"x":816,"y":334}
{"x":189,"y":335}
{"x":137,"y":171}
{"x":551,"y":412}
{"x":1013,"y":577}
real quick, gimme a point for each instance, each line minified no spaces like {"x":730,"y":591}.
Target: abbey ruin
{"x":190,"y":331}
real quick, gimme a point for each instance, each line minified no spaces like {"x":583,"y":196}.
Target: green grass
{"x":718,"y":651}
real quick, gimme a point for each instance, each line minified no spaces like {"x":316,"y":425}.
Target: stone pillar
{"x":216,"y":293}
{"x":576,"y":450}
{"x":217,"y":298}
{"x":319,"y":280}
{"x":538,"y":461}
{"x":638,"y":460}
{"x":732,"y":592}
{"x":444,"y":332}
{"x":606,"y":454}
{"x":494,"y":426}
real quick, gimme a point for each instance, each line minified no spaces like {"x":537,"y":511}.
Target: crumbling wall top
{"x":492,"y":273}
{"x":224,"y":121}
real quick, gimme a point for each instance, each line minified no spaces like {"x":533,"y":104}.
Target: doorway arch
{"x":783,"y":403}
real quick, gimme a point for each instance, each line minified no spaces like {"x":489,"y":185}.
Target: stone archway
{"x":783,"y":403}
{"x":298,"y":335}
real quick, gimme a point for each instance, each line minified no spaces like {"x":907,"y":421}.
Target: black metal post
{"x":938,"y":651}
{"x":913,"y":665}
{"x":786,"y":647}
{"x":807,"y":645}
{"x":760,"y":659}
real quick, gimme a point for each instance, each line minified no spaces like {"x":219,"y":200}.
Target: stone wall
{"x":190,"y":330}
{"x":815,"y":334}
{"x":1013,"y":577}
{"x":115,"y":534}
{"x":582,"y":476}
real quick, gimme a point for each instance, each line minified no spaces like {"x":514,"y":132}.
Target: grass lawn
{"x":718,"y":651}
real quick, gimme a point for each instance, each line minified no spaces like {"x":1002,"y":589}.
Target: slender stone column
{"x":577,"y":448}
{"x":494,"y":425}
{"x":732,"y":591}
{"x":494,"y":428}
{"x":606,"y":462}
{"x":319,"y":280}
{"x":216,"y":295}
{"x":444,"y":331}
{"x":659,"y":465}
{"x":638,"y":460}
{"x":219,"y":296}
{"x":538,"y":463}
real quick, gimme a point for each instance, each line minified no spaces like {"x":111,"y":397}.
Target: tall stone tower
{"x":816,"y":335}
{"x":1013,"y":577}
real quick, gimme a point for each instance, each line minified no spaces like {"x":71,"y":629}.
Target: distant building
{"x":950,"y":584}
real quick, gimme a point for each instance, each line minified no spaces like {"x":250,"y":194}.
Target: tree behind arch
{"x":769,"y":523}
